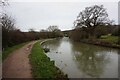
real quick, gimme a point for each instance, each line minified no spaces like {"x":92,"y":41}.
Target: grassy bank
{"x":42,"y":67}
{"x":109,"y":38}
{"x":104,"y":40}
{"x":9,"y":50}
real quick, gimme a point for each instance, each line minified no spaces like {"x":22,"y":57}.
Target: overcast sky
{"x":40,"y":15}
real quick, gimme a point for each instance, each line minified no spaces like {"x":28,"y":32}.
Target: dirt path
{"x":17,"y":64}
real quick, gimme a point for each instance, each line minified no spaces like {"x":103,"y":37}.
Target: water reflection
{"x":52,"y":44}
{"x":80,"y":60}
{"x":91,"y":59}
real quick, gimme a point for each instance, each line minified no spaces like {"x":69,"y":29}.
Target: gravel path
{"x":17,"y":65}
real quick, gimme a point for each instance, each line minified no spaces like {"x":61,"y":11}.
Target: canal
{"x":80,"y":60}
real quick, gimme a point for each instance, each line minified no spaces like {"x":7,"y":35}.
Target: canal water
{"x":80,"y":60}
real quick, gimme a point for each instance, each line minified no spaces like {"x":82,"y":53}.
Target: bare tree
{"x":91,"y":17}
{"x":43,"y":30}
{"x":8,"y":26}
{"x":3,"y":2}
{"x":53,"y":29}
{"x":31,"y":30}
{"x":8,"y":23}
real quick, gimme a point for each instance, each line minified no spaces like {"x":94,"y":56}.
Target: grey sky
{"x":40,"y":15}
{"x":119,"y":13}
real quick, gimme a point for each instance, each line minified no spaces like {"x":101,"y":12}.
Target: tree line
{"x":12,"y":35}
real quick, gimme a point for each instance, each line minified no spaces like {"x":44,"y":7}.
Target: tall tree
{"x":8,"y":26}
{"x":91,"y":17}
{"x":53,"y":29}
{"x":31,"y":30}
{"x":7,"y":23}
{"x":56,"y":32}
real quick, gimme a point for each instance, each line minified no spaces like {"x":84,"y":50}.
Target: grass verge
{"x":109,"y":38}
{"x":42,"y":66}
{"x":105,"y":40}
{"x":9,"y":50}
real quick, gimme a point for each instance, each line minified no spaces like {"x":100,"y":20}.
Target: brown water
{"x":80,"y":60}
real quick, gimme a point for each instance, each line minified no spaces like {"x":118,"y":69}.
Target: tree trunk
{"x":92,"y":35}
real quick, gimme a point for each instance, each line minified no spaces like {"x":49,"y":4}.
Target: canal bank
{"x":101,"y":43}
{"x":42,"y":66}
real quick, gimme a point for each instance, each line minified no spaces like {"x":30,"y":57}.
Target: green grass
{"x":9,"y":50}
{"x":109,"y":38}
{"x":42,"y":67}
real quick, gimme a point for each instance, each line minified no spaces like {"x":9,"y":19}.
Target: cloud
{"x":42,"y":14}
